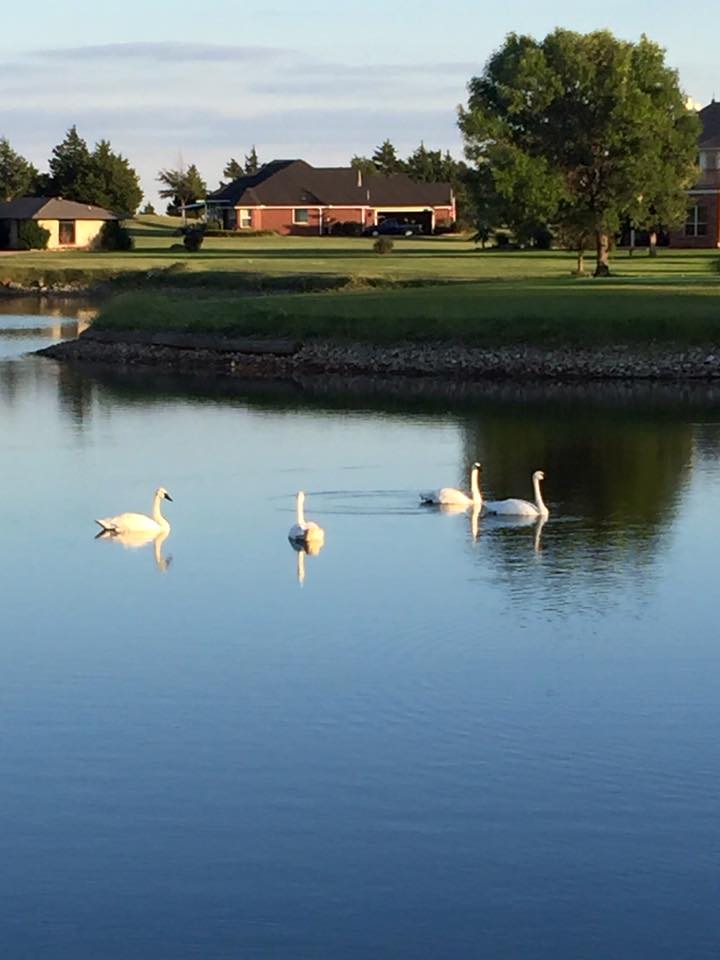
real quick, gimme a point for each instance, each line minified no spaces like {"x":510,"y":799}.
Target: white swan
{"x":305,"y":531}
{"x":521,"y":508}
{"x":139,"y":522}
{"x":450,"y":497}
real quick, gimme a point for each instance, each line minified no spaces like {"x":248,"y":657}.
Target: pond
{"x":434,"y":738}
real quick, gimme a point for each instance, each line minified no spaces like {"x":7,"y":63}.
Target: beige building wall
{"x":85,"y":232}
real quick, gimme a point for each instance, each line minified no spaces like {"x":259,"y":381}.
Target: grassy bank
{"x":497,"y":313}
{"x":235,"y":262}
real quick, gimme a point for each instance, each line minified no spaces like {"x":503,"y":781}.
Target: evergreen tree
{"x":18,"y":177}
{"x":252,"y":164}
{"x":232,"y":169}
{"x":386,"y":159}
{"x":111,"y":181}
{"x":70,"y":167}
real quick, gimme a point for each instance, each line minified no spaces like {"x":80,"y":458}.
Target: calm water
{"x":439,"y":745}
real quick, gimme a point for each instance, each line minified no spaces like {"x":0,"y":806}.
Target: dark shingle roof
{"x":51,"y":208}
{"x":710,"y":120}
{"x":296,"y":183}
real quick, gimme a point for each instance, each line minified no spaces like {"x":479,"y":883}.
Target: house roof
{"x":296,"y":183}
{"x":710,"y":120}
{"x":52,"y":208}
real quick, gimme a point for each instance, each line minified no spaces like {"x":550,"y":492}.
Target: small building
{"x":293,"y":197}
{"x":71,"y":225}
{"x":702,"y":225}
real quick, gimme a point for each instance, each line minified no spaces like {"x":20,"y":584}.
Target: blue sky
{"x":164,"y":79}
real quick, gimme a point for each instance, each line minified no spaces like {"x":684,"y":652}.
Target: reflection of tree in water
{"x":613,"y":475}
{"x":9,"y":381}
{"x":76,"y":393}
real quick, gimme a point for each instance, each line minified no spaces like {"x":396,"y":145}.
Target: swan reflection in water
{"x":138,"y":539}
{"x":310,"y":548}
{"x":496,"y":522}
{"x":452,"y":509}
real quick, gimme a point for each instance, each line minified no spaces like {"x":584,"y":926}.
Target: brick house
{"x":702,"y":226}
{"x":292,"y":197}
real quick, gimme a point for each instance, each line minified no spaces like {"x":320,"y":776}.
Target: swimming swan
{"x":139,"y":522}
{"x":521,"y":508}
{"x":449,"y":496}
{"x":305,"y":531}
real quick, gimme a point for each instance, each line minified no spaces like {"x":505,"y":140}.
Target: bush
{"x":193,"y":237}
{"x":213,"y":224}
{"x":346,"y":228}
{"x":383,"y":245}
{"x":148,"y":210}
{"x":31,"y":236}
{"x":113,"y":236}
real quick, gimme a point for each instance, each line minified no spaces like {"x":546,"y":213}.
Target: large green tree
{"x":100,"y":176}
{"x":182,"y":186}
{"x":582,"y":130}
{"x":252,"y":163}
{"x":233,"y":169}
{"x":70,"y":167}
{"x":17,"y":175}
{"x":386,"y":160}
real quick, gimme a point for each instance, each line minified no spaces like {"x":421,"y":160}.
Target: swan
{"x":139,"y":523}
{"x":305,"y":531}
{"x":521,"y":508}
{"x":450,"y":497}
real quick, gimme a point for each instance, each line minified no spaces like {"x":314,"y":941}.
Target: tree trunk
{"x":580,"y":262}
{"x":652,"y":251}
{"x":602,"y":266}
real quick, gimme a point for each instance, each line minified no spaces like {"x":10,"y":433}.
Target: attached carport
{"x":425,"y":216}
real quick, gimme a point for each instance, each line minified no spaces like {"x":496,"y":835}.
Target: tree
{"x":70,"y":167}
{"x":386,"y":160}
{"x":17,"y":175}
{"x":578,"y":127}
{"x":100,"y":177}
{"x":252,"y":164}
{"x":232,"y":169}
{"x":182,"y":186}
{"x":111,"y":182}
{"x":364,"y":165}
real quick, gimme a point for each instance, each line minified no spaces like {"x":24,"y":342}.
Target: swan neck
{"x":157,"y":512}
{"x":539,"y":502}
{"x":475,"y":487}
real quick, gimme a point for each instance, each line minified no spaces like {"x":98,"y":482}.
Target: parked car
{"x":393,"y":228}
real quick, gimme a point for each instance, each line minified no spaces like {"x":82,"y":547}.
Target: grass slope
{"x":540,"y":311}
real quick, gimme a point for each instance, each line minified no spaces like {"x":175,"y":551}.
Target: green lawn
{"x":443,"y":259}
{"x":538,"y":311}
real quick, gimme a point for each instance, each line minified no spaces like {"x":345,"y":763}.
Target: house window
{"x":245,"y":219}
{"x":66,"y":233}
{"x":301,"y":215}
{"x":696,"y":224}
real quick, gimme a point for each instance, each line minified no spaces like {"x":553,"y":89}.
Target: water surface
{"x":443,"y":742}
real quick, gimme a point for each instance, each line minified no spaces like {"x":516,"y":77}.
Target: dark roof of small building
{"x":296,"y":183}
{"x":710,"y":120}
{"x":52,"y":208}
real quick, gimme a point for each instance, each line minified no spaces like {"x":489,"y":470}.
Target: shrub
{"x":383,"y":245}
{"x":193,"y":237}
{"x":113,"y":236}
{"x":148,"y":210}
{"x":31,"y":236}
{"x":213,"y":224}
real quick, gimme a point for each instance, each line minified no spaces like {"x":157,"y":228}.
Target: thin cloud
{"x":167,"y":52}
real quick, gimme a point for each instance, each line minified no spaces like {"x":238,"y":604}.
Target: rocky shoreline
{"x":287,"y":359}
